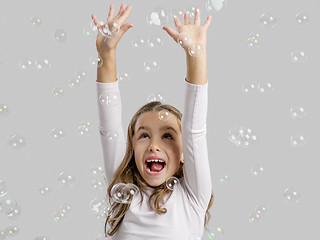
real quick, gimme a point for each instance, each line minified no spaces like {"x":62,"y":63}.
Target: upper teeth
{"x":154,"y":160}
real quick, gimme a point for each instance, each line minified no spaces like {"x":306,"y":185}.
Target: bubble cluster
{"x":291,"y":195}
{"x":242,"y":137}
{"x":262,"y":87}
{"x":267,"y":20}
{"x":62,"y":213}
{"x":172,"y":182}
{"x":254,"y":40}
{"x":123,"y":193}
{"x":255,"y":216}
{"x":298,"y":112}
{"x":41,"y":63}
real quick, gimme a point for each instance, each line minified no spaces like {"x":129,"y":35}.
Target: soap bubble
{"x":60,"y":36}
{"x":172,"y":182}
{"x":268,"y":21}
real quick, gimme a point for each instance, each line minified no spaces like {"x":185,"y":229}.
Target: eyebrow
{"x":162,"y":128}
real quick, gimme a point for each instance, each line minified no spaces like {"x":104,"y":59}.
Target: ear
{"x":181,"y":159}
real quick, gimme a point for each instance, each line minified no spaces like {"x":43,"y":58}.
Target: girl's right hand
{"x":104,"y":45}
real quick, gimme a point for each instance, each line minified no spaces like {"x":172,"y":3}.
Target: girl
{"x":179,"y":142}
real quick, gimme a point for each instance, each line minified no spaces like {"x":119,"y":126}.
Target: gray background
{"x":35,"y":112}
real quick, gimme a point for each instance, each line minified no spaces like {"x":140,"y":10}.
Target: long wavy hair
{"x":128,"y":173}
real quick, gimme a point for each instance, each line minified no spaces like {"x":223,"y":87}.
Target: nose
{"x":153,"y":148}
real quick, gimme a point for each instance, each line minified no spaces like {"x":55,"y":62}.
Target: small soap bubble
{"x":302,"y":19}
{"x":109,"y":99}
{"x":291,"y":195}
{"x":65,"y":208}
{"x":96,"y":61}
{"x":13,"y":212}
{"x":110,"y":29}
{"x":59,"y":216}
{"x":42,"y":63}
{"x":195,"y":50}
{"x":112,"y":136}
{"x":12,"y":230}
{"x":178,"y":13}
{"x":4,"y":110}
{"x":154,"y":98}
{"x":223,"y":179}
{"x":84,"y":128}
{"x":268,"y":21}
{"x":183,"y":41}
{"x":60,"y":36}
{"x":298,"y":56}
{"x":98,"y":205}
{"x":100,"y":185}
{"x":254,"y":40}
{"x":151,"y":66}
{"x":74,"y":82}
{"x":172,"y":182}
{"x":3,"y":189}
{"x":191,"y":11}
{"x":254,"y":217}
{"x":248,"y":87}
{"x":261,"y":210}
{"x":58,"y":92}
{"x":265,"y":87}
{"x":158,"y":17}
{"x":6,"y":203}
{"x":66,"y":179}
{"x":257,"y":170}
{"x":58,"y":134}
{"x":155,"y":41}
{"x":25,"y":64}
{"x":298,"y":141}
{"x":44,"y":190}
{"x":297,"y":112}
{"x":81,"y":75}
{"x":35,"y":22}
{"x":96,"y":171}
{"x":123,"y":76}
{"x":139,"y":41}
{"x":17,"y":142}
{"x":133,"y":189}
{"x":164,"y":115}
{"x":41,"y":238}
{"x":120,"y":193}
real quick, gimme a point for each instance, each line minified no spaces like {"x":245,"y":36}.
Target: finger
{"x":176,"y":21}
{"x":207,"y":23}
{"x":173,"y":33}
{"x":197,"y":17}
{"x":186,"y":19}
{"x":124,"y":15}
{"x":122,"y":7}
{"x":111,"y":12}
{"x":95,"y":20}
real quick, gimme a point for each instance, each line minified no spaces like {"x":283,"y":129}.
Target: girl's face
{"x":155,"y":140}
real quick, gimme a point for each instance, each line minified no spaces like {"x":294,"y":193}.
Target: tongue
{"x":156,"y":166}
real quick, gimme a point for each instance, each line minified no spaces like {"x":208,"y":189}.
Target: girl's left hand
{"x":195,"y":33}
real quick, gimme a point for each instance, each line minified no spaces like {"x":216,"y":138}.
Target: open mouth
{"x":154,"y":168}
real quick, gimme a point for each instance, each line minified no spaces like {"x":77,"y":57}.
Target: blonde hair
{"x":128,"y":173}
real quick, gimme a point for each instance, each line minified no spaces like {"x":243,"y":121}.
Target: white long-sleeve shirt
{"x":187,"y":205}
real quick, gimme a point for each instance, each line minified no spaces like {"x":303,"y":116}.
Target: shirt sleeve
{"x":196,"y":167}
{"x":110,"y":128}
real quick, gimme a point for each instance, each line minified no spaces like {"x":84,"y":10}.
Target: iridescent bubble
{"x":66,"y":179}
{"x":151,"y":66}
{"x":291,"y":195}
{"x":60,"y":36}
{"x":298,"y":141}
{"x":109,"y":98}
{"x":74,"y":82}
{"x":254,"y":40}
{"x":257,"y":170}
{"x":12,"y":230}
{"x":4,"y":110}
{"x":216,"y":5}
{"x":195,"y":50}
{"x":3,"y":189}
{"x":120,"y":193}
{"x":265,"y":87}
{"x":298,"y":112}
{"x":57,"y":134}
{"x":249,"y":87}
{"x":123,"y":76}
{"x":302,"y":19}
{"x":154,"y":98}
{"x":164,"y":115}
{"x":183,"y":40}
{"x":81,"y":75}
{"x":172,"y":182}
{"x":298,"y":56}
{"x":96,"y":61}
{"x":25,"y":64}
{"x":44,"y":190}
{"x":224,"y":178}
{"x":268,"y":21}
{"x":58,"y":92}
{"x":35,"y":22}
{"x":155,"y":41}
{"x":13,"y":212}
{"x":17,"y":142}
{"x":42,"y":63}
{"x":139,"y":41}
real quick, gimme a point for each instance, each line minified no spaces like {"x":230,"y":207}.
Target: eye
{"x":167,"y":134}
